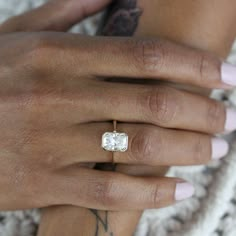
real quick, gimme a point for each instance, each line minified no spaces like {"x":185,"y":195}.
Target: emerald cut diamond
{"x":115,"y":142}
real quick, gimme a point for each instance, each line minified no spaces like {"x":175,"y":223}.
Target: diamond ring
{"x":115,"y":141}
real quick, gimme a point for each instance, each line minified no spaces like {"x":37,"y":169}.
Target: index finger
{"x":151,"y":59}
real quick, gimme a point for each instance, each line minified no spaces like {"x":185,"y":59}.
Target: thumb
{"x":56,"y":15}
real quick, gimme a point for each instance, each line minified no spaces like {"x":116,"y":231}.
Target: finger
{"x":56,"y":15}
{"x":113,"y":191}
{"x":153,"y":146}
{"x":159,"y":105}
{"x":145,"y":58}
{"x":148,"y":145}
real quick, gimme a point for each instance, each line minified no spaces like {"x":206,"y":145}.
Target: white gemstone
{"x":116,"y":142}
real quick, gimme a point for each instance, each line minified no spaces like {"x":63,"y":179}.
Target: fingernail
{"x":228,"y":74}
{"x":183,"y":191}
{"x":220,"y":148}
{"x":230,"y":123}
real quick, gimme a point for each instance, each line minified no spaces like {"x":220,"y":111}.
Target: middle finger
{"x":159,"y":105}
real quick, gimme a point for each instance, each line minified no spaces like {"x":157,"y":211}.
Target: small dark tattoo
{"x":102,"y":216}
{"x":101,"y":222}
{"x":122,"y":19}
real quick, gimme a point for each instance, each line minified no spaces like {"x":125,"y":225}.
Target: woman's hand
{"x":55,"y":106}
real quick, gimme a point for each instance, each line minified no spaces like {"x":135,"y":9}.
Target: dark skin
{"x":155,"y":19}
{"x":57,"y":100}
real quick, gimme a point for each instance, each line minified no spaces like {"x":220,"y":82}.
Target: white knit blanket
{"x":211,"y":212}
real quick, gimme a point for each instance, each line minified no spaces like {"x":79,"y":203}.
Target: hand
{"x":55,"y":107}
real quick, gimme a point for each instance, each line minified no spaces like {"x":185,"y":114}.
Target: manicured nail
{"x":183,"y":191}
{"x":228,"y":74}
{"x":220,"y":148}
{"x":230,"y":123}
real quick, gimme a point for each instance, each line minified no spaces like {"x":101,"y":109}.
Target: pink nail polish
{"x":220,"y":148}
{"x":228,"y":74}
{"x":183,"y":191}
{"x":230,"y":123}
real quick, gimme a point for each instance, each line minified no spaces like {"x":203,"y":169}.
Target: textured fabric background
{"x":212,"y":211}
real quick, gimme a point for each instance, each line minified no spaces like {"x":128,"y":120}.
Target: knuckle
{"x":104,"y":192}
{"x":161,"y":105}
{"x":201,"y":149}
{"x":207,"y":67}
{"x":148,"y":54}
{"x":38,"y":53}
{"x":142,"y":147}
{"x":156,"y":196}
{"x":202,"y":67}
{"x":215,"y":116}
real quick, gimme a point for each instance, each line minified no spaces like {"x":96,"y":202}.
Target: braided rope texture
{"x":211,"y":212}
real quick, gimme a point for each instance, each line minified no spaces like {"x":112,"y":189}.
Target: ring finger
{"x":148,"y":145}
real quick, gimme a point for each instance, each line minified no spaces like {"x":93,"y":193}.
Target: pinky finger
{"x":114,"y":191}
